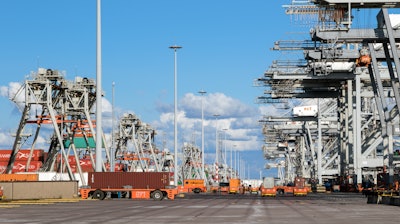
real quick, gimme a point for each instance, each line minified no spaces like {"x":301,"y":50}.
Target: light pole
{"x":175,"y":48}
{"x":98,"y":162}
{"x":202,"y":92}
{"x":112,"y":157}
{"x":232,"y":170}
{"x":237,"y":163}
{"x":216,"y":137}
{"x":225,"y":162}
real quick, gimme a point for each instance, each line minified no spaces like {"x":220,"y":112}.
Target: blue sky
{"x":226,"y":45}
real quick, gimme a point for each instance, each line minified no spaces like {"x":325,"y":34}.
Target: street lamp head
{"x":202,"y":92}
{"x":175,"y":47}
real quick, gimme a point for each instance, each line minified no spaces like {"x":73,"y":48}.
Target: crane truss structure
{"x":357,"y":69}
{"x":291,"y":139}
{"x":192,"y":162}
{"x":66,"y":106}
{"x":135,"y":147}
{"x":332,"y":14}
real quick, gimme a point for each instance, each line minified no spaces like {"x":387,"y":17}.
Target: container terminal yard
{"x":336,"y":152}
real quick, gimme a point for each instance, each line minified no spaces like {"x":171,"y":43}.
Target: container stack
{"x":20,"y":163}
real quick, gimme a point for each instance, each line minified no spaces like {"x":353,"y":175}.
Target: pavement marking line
{"x":197,"y":206}
{"x":61,"y":200}
{"x":26,"y":203}
{"x":156,"y":206}
{"x":9,"y":206}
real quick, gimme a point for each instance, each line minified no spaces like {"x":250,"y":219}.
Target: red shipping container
{"x":86,"y":166}
{"x":22,"y":154}
{"x":74,"y":168}
{"x":119,"y":167}
{"x":19,"y":166}
{"x":137,"y":180}
{"x":72,"y":160}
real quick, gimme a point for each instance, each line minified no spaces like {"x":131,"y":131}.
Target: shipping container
{"x":84,"y":168}
{"x":27,"y":190}
{"x":18,"y":177}
{"x":119,"y":167}
{"x":137,"y":180}
{"x":135,"y":185}
{"x":72,"y":160}
{"x":20,"y":166}
{"x":23,"y":154}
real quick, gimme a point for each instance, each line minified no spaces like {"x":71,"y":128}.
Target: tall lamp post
{"x":175,"y":48}
{"x":232,"y":170}
{"x":112,"y":157}
{"x":202,"y":92}
{"x":216,"y":147}
{"x":225,"y":162}
{"x":98,"y":162}
{"x":216,"y":137}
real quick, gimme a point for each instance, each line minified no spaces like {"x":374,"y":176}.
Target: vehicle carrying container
{"x":136,"y":180}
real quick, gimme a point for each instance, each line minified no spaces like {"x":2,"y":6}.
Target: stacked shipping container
{"x":20,"y":163}
{"x":38,"y":158}
{"x":86,"y":164}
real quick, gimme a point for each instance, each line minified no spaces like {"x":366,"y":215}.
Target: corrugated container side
{"x":22,"y":154}
{"x":119,"y":167}
{"x":54,"y":176}
{"x":72,"y":160}
{"x":18,"y":177}
{"x":40,"y":190}
{"x":137,"y":180}
{"x":20,"y":166}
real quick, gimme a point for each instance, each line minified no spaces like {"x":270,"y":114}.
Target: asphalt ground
{"x":337,"y":208}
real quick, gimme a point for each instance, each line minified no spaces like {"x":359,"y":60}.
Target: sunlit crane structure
{"x":192,"y":162}
{"x":66,"y":106}
{"x":356,"y":69}
{"x":135,"y":147}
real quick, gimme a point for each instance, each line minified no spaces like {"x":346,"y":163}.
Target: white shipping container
{"x":54,"y":176}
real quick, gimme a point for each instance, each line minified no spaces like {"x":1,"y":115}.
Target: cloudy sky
{"x":225,"y":46}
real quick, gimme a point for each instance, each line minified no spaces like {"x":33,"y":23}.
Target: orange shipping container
{"x":22,"y":154}
{"x":19,"y":177}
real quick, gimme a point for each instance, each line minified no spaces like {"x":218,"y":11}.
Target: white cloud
{"x":10,"y":90}
{"x":215,"y":103}
{"x":5,"y":139}
{"x":240,"y":120}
